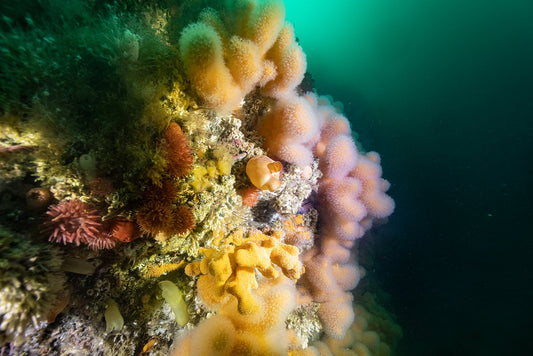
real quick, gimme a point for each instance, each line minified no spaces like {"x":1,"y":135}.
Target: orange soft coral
{"x":227,"y":57}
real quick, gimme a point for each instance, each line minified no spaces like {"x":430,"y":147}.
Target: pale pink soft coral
{"x":368,"y":172}
{"x":351,"y":195}
{"x":340,"y":208}
{"x":290,"y":129}
{"x":71,"y":221}
{"x":328,"y":279}
{"x":339,"y":158}
{"x":332,"y":122}
{"x":337,"y":316}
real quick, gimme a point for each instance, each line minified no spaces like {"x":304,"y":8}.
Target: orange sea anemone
{"x":154,"y":218}
{"x":164,"y":194}
{"x":182,"y":220}
{"x":179,"y":156}
{"x":124,"y":230}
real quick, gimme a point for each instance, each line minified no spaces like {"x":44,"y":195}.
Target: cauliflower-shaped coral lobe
{"x":225,"y":60}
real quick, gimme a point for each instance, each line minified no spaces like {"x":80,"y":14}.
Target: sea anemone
{"x":179,"y":156}
{"x":71,"y":221}
{"x":183,"y":220}
{"x":164,"y":194}
{"x":124,"y":230}
{"x":37,"y":199}
{"x":154,"y":218}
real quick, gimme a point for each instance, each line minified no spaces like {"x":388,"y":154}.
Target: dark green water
{"x":444,"y":91}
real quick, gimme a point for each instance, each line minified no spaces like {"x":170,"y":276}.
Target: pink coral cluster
{"x":352,"y":193}
{"x":227,"y":57}
{"x":71,"y":221}
{"x":351,"y":196}
{"x":290,"y":130}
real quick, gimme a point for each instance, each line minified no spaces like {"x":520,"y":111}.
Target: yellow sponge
{"x":233,"y":268}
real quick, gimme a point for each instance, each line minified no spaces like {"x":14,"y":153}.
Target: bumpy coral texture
{"x":290,"y":130}
{"x":30,"y":282}
{"x":234,"y":266}
{"x":72,"y":221}
{"x":351,"y":196}
{"x":225,"y":60}
{"x":372,"y":333}
{"x":231,"y":333}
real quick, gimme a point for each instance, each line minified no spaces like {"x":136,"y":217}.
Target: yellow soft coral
{"x":234,"y":264}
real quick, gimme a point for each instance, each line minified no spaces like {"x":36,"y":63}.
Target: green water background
{"x":444,"y":91}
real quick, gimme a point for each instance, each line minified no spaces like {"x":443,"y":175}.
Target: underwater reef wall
{"x":172,"y":184}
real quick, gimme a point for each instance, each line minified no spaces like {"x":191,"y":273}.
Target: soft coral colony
{"x":198,"y":197}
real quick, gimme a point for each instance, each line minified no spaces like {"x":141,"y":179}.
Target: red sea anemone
{"x":124,"y":230}
{"x":164,"y":194}
{"x":154,"y":217}
{"x":71,"y":221}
